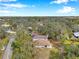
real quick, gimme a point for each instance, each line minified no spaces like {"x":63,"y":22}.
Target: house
{"x":30,"y":28}
{"x":5,"y":25}
{"x":39,"y":37}
{"x":42,"y":44}
{"x":10,"y":31}
{"x":76,"y":34}
{"x":41,"y":41}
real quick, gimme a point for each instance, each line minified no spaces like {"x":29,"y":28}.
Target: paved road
{"x":8,"y":51}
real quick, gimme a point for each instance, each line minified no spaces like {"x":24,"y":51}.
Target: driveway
{"x":8,"y":51}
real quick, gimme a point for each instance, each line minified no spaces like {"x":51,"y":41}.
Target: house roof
{"x":5,"y":25}
{"x":40,"y":37}
{"x":42,"y":42}
{"x":11,"y":32}
{"x":76,"y":34}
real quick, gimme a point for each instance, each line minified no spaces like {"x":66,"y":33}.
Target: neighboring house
{"x":5,"y":25}
{"x":76,"y":34}
{"x":41,"y":41}
{"x":10,"y":31}
{"x":30,"y":28}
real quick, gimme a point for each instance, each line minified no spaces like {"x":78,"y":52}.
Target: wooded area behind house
{"x":60,"y":32}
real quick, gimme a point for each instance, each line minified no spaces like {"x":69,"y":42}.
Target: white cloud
{"x":18,"y":5}
{"x":6,"y":11}
{"x":66,"y":9}
{"x":14,"y":5}
{"x":61,"y":1}
{"x":6,"y":0}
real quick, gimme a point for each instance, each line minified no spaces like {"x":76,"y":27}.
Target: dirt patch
{"x":41,"y":53}
{"x":55,"y":43}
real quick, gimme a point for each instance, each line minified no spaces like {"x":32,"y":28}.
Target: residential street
{"x":8,"y":51}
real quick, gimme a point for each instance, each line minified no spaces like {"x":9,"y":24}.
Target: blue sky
{"x":39,"y":7}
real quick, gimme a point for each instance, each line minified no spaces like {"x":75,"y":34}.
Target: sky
{"x":39,"y":7}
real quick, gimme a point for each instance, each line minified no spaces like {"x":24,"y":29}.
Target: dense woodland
{"x":58,"y":29}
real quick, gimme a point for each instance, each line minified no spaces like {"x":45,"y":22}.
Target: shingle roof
{"x":40,"y":37}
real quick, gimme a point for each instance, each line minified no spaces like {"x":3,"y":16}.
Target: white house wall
{"x":43,"y":46}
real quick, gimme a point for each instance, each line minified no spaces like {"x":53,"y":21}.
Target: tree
{"x":22,"y":46}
